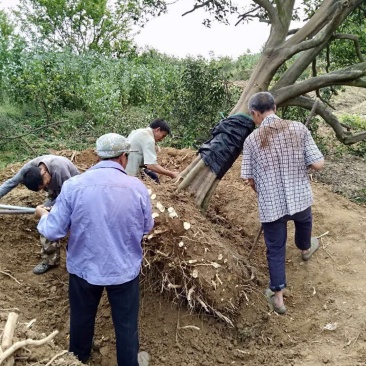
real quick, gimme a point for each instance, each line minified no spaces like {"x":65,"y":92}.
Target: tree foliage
{"x":103,"y":26}
{"x":11,"y":45}
{"x":190,"y":93}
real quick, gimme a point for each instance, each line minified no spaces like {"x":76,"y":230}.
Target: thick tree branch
{"x":339,"y":77}
{"x":355,"y":40}
{"x":271,"y":10}
{"x":340,"y":10}
{"x":319,"y":39}
{"x":345,"y":137}
{"x":293,"y":31}
{"x":360,"y":83}
{"x":317,"y":22}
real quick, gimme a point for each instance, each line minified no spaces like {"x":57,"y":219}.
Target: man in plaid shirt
{"x":276,"y":157}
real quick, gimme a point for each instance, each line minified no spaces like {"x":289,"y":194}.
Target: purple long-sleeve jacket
{"x":107,"y":213}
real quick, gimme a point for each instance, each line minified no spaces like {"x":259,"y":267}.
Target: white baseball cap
{"x":112,"y":145}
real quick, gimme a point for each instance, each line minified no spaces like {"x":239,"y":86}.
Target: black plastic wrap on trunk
{"x":226,"y":143}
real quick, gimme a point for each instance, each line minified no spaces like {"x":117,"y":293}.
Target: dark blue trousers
{"x":152,"y":175}
{"x":275,"y":236}
{"x":124,"y":301}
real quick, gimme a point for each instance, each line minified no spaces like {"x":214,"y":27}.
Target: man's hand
{"x":251,"y":182}
{"x":41,"y":211}
{"x":174,"y":175}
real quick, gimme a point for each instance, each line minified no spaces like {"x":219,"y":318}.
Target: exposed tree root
{"x":8,"y":349}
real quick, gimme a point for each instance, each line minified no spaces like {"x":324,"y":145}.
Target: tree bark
{"x":200,"y":181}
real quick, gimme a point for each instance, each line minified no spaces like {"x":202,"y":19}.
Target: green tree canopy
{"x":81,"y":25}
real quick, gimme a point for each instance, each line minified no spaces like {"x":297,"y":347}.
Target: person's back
{"x":276,"y":157}
{"x":280,"y":156}
{"x":107,"y":224}
{"x":107,"y":214}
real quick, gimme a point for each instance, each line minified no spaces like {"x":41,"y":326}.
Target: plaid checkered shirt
{"x":276,"y":156}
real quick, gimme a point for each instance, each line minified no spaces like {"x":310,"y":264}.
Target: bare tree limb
{"x":355,"y":40}
{"x":312,"y":112}
{"x":247,"y":14}
{"x":327,"y":57}
{"x":317,"y":92}
{"x":314,"y":25}
{"x":345,"y":137}
{"x":339,"y":77}
{"x":197,"y":6}
{"x":319,"y":39}
{"x":24,"y":343}
{"x":29,"y":132}
{"x":317,"y":22}
{"x":361,"y":83}
{"x":293,"y":31}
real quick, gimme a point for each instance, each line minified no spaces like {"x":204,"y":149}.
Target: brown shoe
{"x":313,"y":248}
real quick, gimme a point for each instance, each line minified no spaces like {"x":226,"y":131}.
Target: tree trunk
{"x":200,"y":181}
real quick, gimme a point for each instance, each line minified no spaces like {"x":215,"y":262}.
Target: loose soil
{"x":326,"y":296}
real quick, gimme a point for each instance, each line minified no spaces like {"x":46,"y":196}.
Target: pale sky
{"x":173,"y":34}
{"x":182,"y":36}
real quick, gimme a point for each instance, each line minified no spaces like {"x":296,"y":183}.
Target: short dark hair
{"x":32,"y":178}
{"x":261,"y":102}
{"x":160,"y":123}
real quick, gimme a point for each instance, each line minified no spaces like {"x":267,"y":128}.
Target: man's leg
{"x":303,"y":225}
{"x":84,"y":300}
{"x":303,"y":240}
{"x":50,"y":254}
{"x":152,"y":175}
{"x":50,"y":250}
{"x":275,"y":236}
{"x":124,"y":301}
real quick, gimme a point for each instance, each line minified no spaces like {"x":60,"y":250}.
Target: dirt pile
{"x":326,"y":293}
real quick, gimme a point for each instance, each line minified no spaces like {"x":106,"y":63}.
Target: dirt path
{"x":328,"y":291}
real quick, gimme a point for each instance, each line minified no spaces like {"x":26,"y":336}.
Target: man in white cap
{"x":107,"y":213}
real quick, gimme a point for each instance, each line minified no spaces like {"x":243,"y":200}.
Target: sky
{"x":173,"y":34}
{"x":182,"y":36}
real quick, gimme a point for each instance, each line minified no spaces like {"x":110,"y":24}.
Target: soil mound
{"x":204,"y":266}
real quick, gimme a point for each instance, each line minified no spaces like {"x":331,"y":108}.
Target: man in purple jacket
{"x":107,"y":213}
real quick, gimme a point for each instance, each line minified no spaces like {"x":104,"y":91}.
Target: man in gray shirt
{"x":46,"y":172}
{"x":143,"y":142}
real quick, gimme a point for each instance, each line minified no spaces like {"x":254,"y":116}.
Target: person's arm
{"x":147,"y":210}
{"x":11,"y":183}
{"x":246,"y":167}
{"x":156,"y":168}
{"x":55,"y":224}
{"x":314,"y":159}
{"x":150,"y":160}
{"x":252,"y":184}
